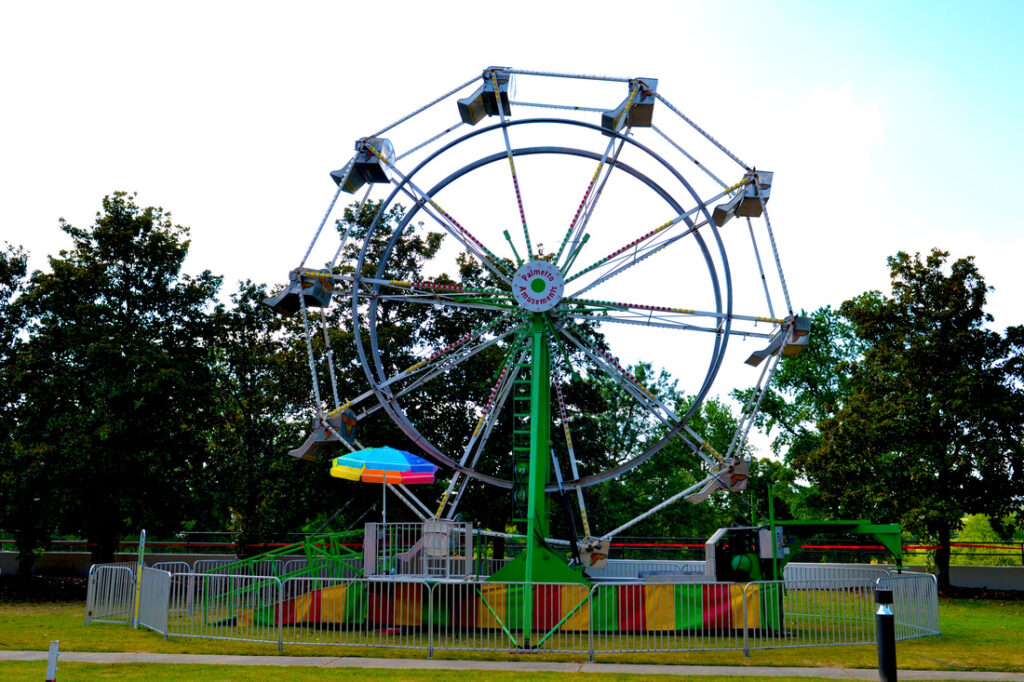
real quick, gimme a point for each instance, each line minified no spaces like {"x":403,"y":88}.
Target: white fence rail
{"x":237,"y":607}
{"x":154,"y":599}
{"x":915,"y":604}
{"x":111,"y":594}
{"x":623,"y":616}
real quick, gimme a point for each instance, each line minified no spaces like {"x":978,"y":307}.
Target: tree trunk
{"x":26,"y":560}
{"x":103,"y":549}
{"x":30,"y":543}
{"x":942,"y":558}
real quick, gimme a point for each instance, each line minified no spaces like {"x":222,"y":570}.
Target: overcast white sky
{"x":890,"y":125}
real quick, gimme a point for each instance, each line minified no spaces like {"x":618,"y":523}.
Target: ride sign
{"x":537,"y":285}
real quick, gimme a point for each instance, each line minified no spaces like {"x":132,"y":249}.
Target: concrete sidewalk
{"x":503,"y":666}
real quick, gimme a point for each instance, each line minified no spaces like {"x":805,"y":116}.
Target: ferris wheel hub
{"x":538,"y":286}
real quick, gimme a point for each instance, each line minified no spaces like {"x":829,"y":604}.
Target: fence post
{"x":590,"y":624}
{"x":746,"y":622}
{"x":138,"y":578}
{"x":279,"y":614}
{"x":90,"y":594}
{"x":430,"y":618}
{"x":885,"y":627}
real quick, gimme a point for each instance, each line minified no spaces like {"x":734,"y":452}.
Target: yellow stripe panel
{"x":754,"y":606}
{"x":302,"y":607}
{"x":661,"y":607}
{"x":495,"y":596}
{"x":332,"y":604}
{"x":572,"y":595}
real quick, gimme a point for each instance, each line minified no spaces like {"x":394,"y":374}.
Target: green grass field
{"x":33,"y":672}
{"x":977,"y":635}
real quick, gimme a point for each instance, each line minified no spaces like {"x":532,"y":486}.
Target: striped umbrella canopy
{"x":383,"y":465}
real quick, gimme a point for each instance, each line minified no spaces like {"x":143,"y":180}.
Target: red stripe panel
{"x":547,"y":606}
{"x":632,"y":608}
{"x":717,"y":605}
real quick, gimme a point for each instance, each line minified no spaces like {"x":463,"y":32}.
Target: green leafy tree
{"x":979,"y":530}
{"x":260,"y":493}
{"x":26,"y":509}
{"x":809,"y":386}
{"x":618,"y":427}
{"x":114,"y":380}
{"x":931,"y":427}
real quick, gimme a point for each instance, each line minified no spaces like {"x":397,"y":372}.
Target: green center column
{"x":537,"y":524}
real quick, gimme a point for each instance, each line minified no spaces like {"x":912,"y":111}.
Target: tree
{"x":22,"y":480}
{"x":931,"y":427}
{"x":809,"y":386}
{"x":114,"y":382}
{"x":260,"y":493}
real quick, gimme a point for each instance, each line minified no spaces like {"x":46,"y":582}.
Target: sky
{"x":889,"y":125}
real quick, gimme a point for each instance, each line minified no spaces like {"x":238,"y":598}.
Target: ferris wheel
{"x":588,"y":225}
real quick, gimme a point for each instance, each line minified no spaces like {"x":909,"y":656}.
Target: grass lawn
{"x":33,"y":672}
{"x":977,"y":635}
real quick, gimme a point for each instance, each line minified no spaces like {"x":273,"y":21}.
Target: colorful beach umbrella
{"x":383,"y":465}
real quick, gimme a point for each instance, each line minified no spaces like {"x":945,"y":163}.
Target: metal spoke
{"x":506,"y":365}
{"x":474,"y":246}
{"x":608,"y":364}
{"x":450,"y":224}
{"x":572,"y":454}
{"x":760,"y":268}
{"x":444,"y":354}
{"x":581,"y":209}
{"x":739,"y":438}
{"x":488,"y":427}
{"x":512,"y":165}
{"x":581,"y":229}
{"x":621,"y":263}
{"x":657,"y":316}
{"x":428,"y":299}
{"x":658,"y":231}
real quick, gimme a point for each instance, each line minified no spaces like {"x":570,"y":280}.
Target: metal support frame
{"x":692,"y":221}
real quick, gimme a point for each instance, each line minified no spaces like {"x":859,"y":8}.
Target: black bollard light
{"x":885,"y":626}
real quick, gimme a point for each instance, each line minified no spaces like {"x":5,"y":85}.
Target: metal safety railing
{"x":111,"y":594}
{"x":173,"y":566}
{"x":237,"y":607}
{"x":644,"y":617}
{"x":154,"y":599}
{"x":915,"y":604}
{"x":797,"y":575}
{"x":641,"y":568}
{"x":623,"y":616}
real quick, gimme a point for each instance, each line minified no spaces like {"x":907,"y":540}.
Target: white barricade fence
{"x":635,"y":569}
{"x":363,"y":613}
{"x":681,"y":616}
{"x":173,"y":566}
{"x":110,"y":597}
{"x":914,"y":604}
{"x":237,"y":607}
{"x":624,"y":616}
{"x":432,"y":548}
{"x":815,"y":613}
{"x":502,"y":616}
{"x":154,"y":599}
{"x":231,"y":567}
{"x":841,"y":576}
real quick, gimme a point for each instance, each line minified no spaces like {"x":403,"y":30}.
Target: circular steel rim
{"x":391,"y":405}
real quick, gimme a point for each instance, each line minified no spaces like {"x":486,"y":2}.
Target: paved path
{"x":518,"y":666}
